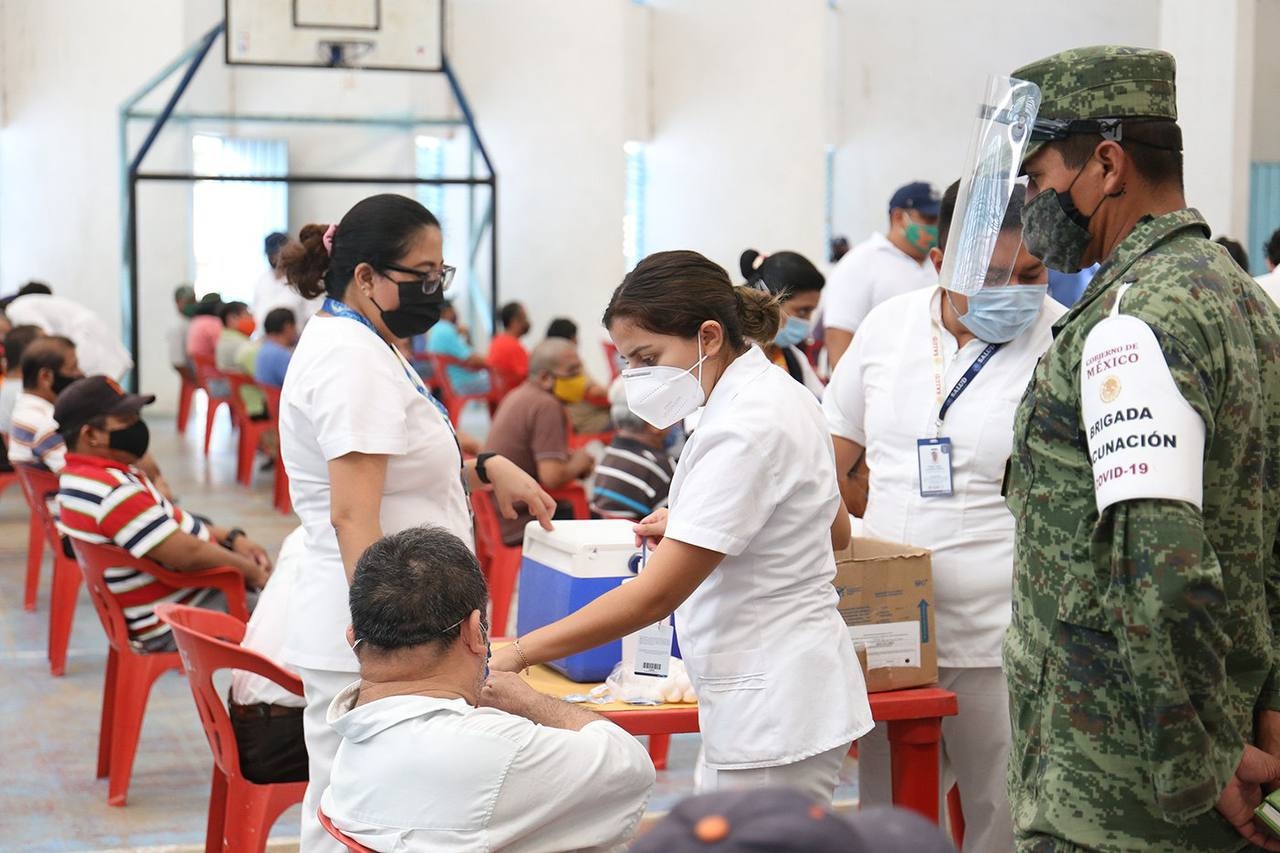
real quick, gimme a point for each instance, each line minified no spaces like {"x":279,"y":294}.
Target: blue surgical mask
{"x":793,"y":332}
{"x":997,"y":315}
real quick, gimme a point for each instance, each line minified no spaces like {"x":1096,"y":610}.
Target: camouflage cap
{"x":1108,"y":81}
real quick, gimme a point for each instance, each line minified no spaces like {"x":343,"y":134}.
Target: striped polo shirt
{"x":632,"y":479}
{"x":108,"y":502}
{"x":33,"y":437}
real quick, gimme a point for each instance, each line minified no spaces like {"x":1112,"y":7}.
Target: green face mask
{"x":923,"y":237}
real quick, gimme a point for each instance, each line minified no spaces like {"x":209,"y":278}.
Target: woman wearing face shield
{"x":744,"y":553}
{"x":798,"y":286}
{"x":929,"y":390}
{"x":367,"y":449}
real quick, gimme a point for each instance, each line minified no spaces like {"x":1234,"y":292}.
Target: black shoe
{"x":269,"y":465}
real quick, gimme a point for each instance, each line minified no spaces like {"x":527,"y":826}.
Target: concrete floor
{"x":49,"y":728}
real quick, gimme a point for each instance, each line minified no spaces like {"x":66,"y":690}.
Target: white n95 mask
{"x":662,"y":395}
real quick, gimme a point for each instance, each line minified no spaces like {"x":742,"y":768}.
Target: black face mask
{"x":61,"y":382}
{"x":133,"y":439}
{"x":417,"y":312}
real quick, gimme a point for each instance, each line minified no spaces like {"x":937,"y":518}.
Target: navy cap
{"x":917,"y":195}
{"x":783,"y":819}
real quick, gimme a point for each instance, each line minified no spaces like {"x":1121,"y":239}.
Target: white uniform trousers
{"x":319,"y":686}
{"x":815,"y":776}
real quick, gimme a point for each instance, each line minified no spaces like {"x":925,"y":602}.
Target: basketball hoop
{"x":345,"y":53}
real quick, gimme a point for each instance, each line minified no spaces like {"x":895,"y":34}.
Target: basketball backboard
{"x":388,"y":35}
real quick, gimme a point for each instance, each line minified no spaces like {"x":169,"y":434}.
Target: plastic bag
{"x":623,"y":685}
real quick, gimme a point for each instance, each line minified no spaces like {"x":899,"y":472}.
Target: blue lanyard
{"x":967,"y":380}
{"x":341,"y":309}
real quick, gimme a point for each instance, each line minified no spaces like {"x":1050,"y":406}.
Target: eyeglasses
{"x":484,"y":627}
{"x":432,"y":282}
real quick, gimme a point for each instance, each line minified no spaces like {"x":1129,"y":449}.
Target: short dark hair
{"x":1154,"y":145}
{"x":378,"y":231}
{"x":16,"y":343}
{"x":274,"y":242}
{"x":277,"y":320}
{"x":1236,"y":250}
{"x":563,"y":327}
{"x":410,"y":588}
{"x":947,"y":212}
{"x":47,"y":352}
{"x":1273,"y":248}
{"x":229,"y":309}
{"x":34,"y":287}
{"x":509,"y":313}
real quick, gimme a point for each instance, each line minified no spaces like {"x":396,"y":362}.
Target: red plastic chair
{"x":574,"y":495}
{"x":39,"y":485}
{"x":130,"y":672}
{"x":455,"y":401}
{"x":251,"y":431}
{"x":186,"y":390}
{"x":350,"y":843}
{"x":500,"y":563}
{"x":613,"y":359}
{"x":35,"y":546}
{"x":241,"y":813}
{"x":280,"y":488}
{"x":955,"y":817}
{"x":206,"y":373}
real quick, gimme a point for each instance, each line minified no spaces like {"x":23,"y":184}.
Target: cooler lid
{"x":576,"y":536}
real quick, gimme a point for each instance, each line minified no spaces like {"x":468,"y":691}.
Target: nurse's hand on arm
{"x":355,"y":503}
{"x":673,"y":571}
{"x":851,"y":472}
{"x":511,"y":486}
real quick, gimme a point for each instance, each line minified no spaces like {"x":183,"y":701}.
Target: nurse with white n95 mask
{"x":744,"y":555}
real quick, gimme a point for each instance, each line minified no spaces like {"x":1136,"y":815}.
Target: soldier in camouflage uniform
{"x":1142,"y":652}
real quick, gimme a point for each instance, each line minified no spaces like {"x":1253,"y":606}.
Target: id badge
{"x":653,"y":649}
{"x":935,"y":467}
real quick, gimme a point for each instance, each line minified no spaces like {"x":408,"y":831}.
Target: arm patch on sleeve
{"x":1145,"y":439}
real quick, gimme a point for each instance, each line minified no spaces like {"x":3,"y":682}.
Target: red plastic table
{"x":914,"y":719}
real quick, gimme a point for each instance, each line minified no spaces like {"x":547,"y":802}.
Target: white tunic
{"x":416,"y":773}
{"x":882,"y":396}
{"x":346,"y":391}
{"x":874,"y":270}
{"x":771,"y":659}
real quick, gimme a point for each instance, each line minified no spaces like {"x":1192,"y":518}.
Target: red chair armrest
{"x":224,"y":578}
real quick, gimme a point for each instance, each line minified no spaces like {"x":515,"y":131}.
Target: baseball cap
{"x":783,"y":819}
{"x":1086,"y":84}
{"x":917,"y":195}
{"x":94,"y":397}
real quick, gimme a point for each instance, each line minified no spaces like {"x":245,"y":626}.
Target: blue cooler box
{"x":566,"y":569}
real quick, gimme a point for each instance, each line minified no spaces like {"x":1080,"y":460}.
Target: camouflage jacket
{"x":1142,"y":640}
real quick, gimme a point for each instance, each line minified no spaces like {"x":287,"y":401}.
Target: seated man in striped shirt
{"x":49,"y":365}
{"x":634,"y":475}
{"x":105,"y":498}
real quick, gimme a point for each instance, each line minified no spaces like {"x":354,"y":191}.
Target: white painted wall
{"x":1214,"y":46}
{"x":913,"y":74}
{"x":1266,"y":81}
{"x":737,"y":155}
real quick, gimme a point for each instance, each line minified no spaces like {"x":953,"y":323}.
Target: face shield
{"x":979,"y":253}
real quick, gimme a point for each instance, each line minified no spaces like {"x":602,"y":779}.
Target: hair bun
{"x":750,"y":261}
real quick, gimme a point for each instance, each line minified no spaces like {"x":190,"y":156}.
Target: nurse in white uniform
{"x":367,"y":449}
{"x":744,"y":556}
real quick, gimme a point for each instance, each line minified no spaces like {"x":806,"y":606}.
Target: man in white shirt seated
{"x":882,"y":266}
{"x":439,"y":755}
{"x":1271,"y":281}
{"x":48,"y":366}
{"x":99,"y":348}
{"x":267,"y":719}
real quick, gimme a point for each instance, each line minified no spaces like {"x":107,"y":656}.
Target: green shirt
{"x":1143,"y":640}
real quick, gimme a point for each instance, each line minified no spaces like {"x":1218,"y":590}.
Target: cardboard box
{"x":886,"y":599}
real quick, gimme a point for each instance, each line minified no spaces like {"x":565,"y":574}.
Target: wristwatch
{"x":232,"y":535}
{"x":480,"y":463}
